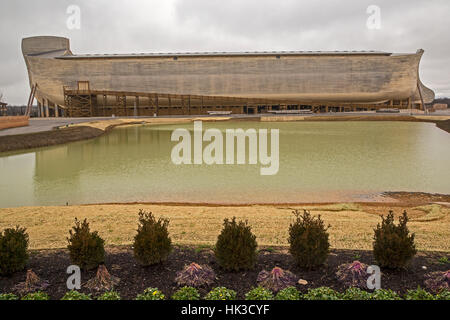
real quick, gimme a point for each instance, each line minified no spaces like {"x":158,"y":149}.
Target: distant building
{"x":240,"y":82}
{"x":3,"y":108}
{"x":440,"y":106}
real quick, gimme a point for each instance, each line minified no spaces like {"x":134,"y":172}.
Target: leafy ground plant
{"x":289,"y":293}
{"x":385,"y":294}
{"x":221,"y":293}
{"x":39,"y":295}
{"x":418,"y":294}
{"x":186,"y":293}
{"x":75,"y":295}
{"x":322,"y":293}
{"x":259,"y":293}
{"x":356,"y":294}
{"x":151,"y":294}
{"x":8,"y":296}
{"x":110,"y":295}
{"x":443,"y":295}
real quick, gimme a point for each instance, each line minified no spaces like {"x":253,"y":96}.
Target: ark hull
{"x":329,"y":78}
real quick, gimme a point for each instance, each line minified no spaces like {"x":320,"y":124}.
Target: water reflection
{"x":319,"y":161}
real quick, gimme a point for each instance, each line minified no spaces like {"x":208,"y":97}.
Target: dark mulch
{"x":47,"y":138}
{"x":444,"y":125}
{"x":51,"y":265}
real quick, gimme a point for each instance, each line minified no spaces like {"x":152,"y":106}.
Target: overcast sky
{"x":132,"y":26}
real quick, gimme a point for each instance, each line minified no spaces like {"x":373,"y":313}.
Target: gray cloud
{"x":232,"y":25}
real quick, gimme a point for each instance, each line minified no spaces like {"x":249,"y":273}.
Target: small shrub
{"x":39,"y":295}
{"x":110,"y":295}
{"x":393,"y":246}
{"x":13,"y":250}
{"x":259,"y":293}
{"x":186,"y":293}
{"x":353,"y":274}
{"x":86,"y":248}
{"x":289,"y":293}
{"x":151,"y":294}
{"x":443,"y":295}
{"x":152,"y":244}
{"x":418,"y":294}
{"x":276,"y":280}
{"x":385,"y":294}
{"x":75,"y":295}
{"x":236,"y":246}
{"x":322,"y":293}
{"x":356,"y":294}
{"x":195,"y":275}
{"x":221,"y":293}
{"x":438,"y":281}
{"x":8,"y":296}
{"x":308,"y":239}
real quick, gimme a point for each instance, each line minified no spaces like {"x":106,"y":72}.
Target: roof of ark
{"x":209,"y":54}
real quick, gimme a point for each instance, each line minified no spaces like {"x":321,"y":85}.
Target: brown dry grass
{"x":352,"y":224}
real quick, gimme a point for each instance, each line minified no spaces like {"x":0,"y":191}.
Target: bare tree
{"x":1,"y":96}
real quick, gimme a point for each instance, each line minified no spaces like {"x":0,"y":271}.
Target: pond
{"x":318,"y":162}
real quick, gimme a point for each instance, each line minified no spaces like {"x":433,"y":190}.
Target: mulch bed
{"x":51,"y":265}
{"x":47,"y":138}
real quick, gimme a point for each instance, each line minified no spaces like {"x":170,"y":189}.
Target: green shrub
{"x":152,"y":243}
{"x":221,"y":293}
{"x":13,"y":250}
{"x":443,"y":295}
{"x":289,"y":293}
{"x":259,"y":293}
{"x":418,"y":294}
{"x":39,"y":295}
{"x":75,"y":295}
{"x":356,"y":294}
{"x":151,"y":294}
{"x":110,"y":295}
{"x":8,"y":296}
{"x":236,"y":246}
{"x":186,"y":293}
{"x":393,"y":246}
{"x":322,"y":293}
{"x":308,"y":239}
{"x":385,"y":294}
{"x":86,"y":248}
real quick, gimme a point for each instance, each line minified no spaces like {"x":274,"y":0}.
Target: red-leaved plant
{"x":438,"y":281}
{"x":277,"y":279}
{"x":353,"y":274}
{"x":195,"y":275}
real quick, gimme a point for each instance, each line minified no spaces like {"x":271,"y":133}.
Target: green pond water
{"x":319,"y":161}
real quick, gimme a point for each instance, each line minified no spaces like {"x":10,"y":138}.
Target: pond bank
{"x":90,"y":130}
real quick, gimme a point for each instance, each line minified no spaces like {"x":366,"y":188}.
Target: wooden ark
{"x":66,"y":84}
